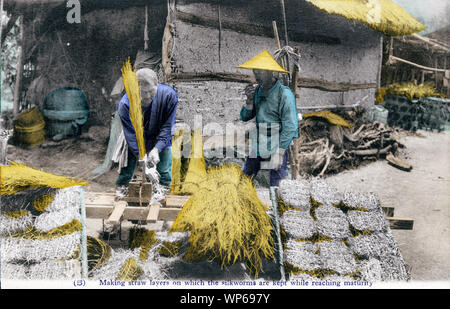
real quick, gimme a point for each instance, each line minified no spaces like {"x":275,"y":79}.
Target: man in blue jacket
{"x":159,"y":105}
{"x":274,"y":107}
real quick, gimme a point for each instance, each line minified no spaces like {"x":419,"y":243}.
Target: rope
{"x":288,"y":51}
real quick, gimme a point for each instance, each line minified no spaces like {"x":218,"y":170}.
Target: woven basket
{"x":29,"y":128}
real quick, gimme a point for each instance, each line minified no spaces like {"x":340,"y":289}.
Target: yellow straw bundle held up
{"x":131,"y":84}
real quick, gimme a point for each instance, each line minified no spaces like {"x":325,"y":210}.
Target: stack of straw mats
{"x":40,"y":223}
{"x":327,"y":234}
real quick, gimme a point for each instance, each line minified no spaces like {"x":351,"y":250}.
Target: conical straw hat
{"x":264,"y":61}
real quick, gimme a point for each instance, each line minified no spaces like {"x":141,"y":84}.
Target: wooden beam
{"x":393,"y":59}
{"x":205,"y":76}
{"x":253,"y":29}
{"x":431,"y":42}
{"x":401,"y":223}
{"x":304,"y":82}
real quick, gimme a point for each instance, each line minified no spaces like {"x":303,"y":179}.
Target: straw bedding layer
{"x":348,"y":236}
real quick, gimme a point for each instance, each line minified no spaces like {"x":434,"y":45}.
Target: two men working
{"x":273,"y":106}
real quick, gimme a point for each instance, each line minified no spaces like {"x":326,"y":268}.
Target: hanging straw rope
{"x":289,"y":52}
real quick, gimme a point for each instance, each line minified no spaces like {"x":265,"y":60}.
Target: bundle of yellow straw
{"x":226,"y":220}
{"x":411,"y":90}
{"x":131,"y":84}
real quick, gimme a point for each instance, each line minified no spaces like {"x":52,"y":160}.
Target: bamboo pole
{"x":277,"y":37}
{"x":1,"y":22}
{"x":286,"y":41}
{"x":19,"y":69}
{"x":295,"y":82}
{"x":220,"y":30}
{"x":393,"y":58}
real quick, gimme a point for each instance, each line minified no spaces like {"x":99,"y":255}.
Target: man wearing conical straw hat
{"x":273,"y":105}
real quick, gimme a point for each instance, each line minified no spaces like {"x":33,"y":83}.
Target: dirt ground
{"x":421,"y":194}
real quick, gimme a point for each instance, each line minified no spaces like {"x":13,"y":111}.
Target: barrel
{"x":65,"y":111}
{"x":29,"y":128}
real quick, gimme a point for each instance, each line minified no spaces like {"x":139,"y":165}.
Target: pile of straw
{"x":226,"y":219}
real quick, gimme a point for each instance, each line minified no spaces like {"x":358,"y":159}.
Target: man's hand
{"x":153,"y":156}
{"x":249,"y":93}
{"x":276,"y":160}
{"x":144,"y":159}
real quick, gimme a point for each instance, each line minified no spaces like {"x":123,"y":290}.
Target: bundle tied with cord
{"x":226,"y":220}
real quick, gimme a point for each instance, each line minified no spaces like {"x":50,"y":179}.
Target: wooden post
{"x":277,"y":37}
{"x":146,"y":29}
{"x":435,"y":72}
{"x":19,"y":70}
{"x":295,"y":75}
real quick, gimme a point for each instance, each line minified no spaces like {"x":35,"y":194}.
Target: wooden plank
{"x":117,"y":213}
{"x":176,"y":201}
{"x":393,"y":59}
{"x":168,"y":214}
{"x":388,"y":211}
{"x":401,"y":223}
{"x":153,"y":213}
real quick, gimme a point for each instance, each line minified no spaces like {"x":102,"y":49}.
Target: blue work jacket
{"x":158,"y":120}
{"x":276,"y":119}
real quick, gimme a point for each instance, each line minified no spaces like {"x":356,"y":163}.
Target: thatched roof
{"x":389,"y":18}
